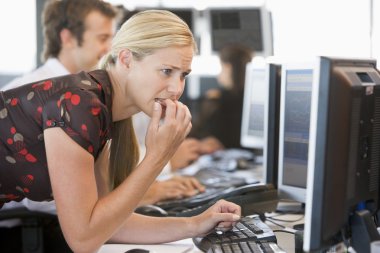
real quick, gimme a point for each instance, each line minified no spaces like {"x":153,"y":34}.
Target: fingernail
{"x":235,"y":217}
{"x":156,"y":106}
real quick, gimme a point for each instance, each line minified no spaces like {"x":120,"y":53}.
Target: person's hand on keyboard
{"x":210,"y":145}
{"x":173,"y":188}
{"x":187,"y":153}
{"x":221,"y":216}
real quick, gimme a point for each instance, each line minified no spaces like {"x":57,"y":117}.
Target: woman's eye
{"x":184,"y":75}
{"x":167,"y":71}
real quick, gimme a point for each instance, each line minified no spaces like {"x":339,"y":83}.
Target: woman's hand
{"x":166,"y":134}
{"x":222,"y":214}
{"x":173,"y":188}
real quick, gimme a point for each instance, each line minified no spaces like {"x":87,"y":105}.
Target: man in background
{"x":77,"y":33}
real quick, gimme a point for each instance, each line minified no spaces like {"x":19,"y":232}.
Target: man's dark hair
{"x":69,"y":14}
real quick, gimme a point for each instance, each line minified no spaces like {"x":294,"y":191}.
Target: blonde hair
{"x":142,"y":34}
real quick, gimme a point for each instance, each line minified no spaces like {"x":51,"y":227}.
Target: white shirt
{"x":51,"y":68}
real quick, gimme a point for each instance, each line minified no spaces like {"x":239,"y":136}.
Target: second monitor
{"x":296,"y":87}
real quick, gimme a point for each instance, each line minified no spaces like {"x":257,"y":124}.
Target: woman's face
{"x":160,"y":75}
{"x":225,"y":75}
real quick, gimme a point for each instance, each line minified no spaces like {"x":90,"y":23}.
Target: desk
{"x":254,"y":173}
{"x":181,"y":246}
{"x":284,"y":240}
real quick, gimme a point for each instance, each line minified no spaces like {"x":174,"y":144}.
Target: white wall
{"x":18,"y":36}
{"x":321,"y":27}
{"x":300,"y":28}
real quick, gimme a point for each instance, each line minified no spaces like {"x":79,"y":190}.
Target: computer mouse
{"x":151,"y":210}
{"x":137,"y":251}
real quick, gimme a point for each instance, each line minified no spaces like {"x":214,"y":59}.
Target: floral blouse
{"x":80,"y":104}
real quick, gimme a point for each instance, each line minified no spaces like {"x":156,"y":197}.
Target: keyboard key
{"x":248,"y":235}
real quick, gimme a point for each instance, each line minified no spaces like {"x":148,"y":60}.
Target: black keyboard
{"x":217,"y":178}
{"x":202,"y":198}
{"x":248,"y":229}
{"x":246,"y":247}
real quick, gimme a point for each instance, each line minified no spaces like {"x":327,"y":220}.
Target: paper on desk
{"x":174,"y":247}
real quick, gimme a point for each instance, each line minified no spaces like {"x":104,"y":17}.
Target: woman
{"x":223,"y":106}
{"x":56,"y":139}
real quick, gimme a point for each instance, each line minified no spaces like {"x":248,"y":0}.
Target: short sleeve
{"x":82,"y":115}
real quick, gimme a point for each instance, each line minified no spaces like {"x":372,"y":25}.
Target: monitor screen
{"x":249,"y":26}
{"x":296,"y":87}
{"x":344,"y":151}
{"x":261,"y":115}
{"x":255,"y":96}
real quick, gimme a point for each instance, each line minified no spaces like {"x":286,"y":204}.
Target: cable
{"x":285,"y":231}
{"x":275,"y":223}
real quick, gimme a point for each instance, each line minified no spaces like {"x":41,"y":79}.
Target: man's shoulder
{"x":50,"y":69}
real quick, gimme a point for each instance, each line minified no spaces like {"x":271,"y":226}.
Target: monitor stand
{"x":290,"y":207}
{"x":364,"y":231}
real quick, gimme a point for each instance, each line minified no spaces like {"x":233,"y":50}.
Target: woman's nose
{"x":175,"y":88}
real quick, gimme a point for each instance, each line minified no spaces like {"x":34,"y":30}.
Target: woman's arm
{"x":144,"y":229}
{"x":88,"y":220}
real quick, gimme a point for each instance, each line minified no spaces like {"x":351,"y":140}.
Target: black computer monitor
{"x":255,"y":97}
{"x":296,"y":89}
{"x":250,"y":26}
{"x":344,"y":153}
{"x":272,"y":123}
{"x":261,"y":115}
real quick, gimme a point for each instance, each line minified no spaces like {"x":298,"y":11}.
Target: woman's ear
{"x":125,"y":57}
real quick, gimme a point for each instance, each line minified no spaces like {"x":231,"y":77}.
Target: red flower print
{"x":47,"y":85}
{"x":14,"y":101}
{"x":68,"y":95}
{"x":30,"y":158}
{"x":75,"y":99}
{"x":23,"y":151}
{"x":95,"y":110}
{"x":27,"y":179}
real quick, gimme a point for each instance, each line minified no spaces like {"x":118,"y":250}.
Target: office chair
{"x":33,"y":237}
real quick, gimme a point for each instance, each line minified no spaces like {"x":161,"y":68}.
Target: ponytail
{"x":124,"y":154}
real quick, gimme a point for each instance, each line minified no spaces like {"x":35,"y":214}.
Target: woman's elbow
{"x":83,"y":245}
